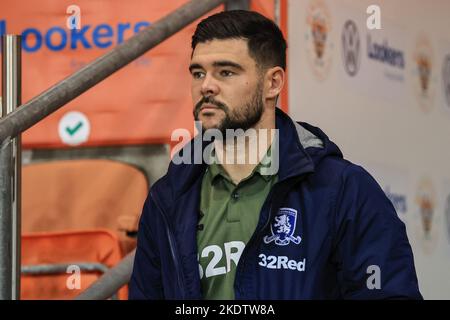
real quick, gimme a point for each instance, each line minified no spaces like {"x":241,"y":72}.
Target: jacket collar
{"x":294,"y":160}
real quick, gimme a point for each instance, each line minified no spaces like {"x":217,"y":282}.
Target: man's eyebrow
{"x":195,"y":66}
{"x":226,"y":63}
{"x":221,"y":63}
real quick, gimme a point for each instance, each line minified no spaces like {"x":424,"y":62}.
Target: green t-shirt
{"x":230,"y":214}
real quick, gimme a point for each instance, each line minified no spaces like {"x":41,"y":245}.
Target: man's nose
{"x":209,"y":86}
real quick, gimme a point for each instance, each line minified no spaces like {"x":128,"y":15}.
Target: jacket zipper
{"x":241,"y":262}
{"x":259,"y":234}
{"x":173,"y":249}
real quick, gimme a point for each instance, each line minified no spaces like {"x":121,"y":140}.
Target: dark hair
{"x":266,"y":43}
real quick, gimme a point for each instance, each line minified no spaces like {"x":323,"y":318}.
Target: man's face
{"x":226,"y":85}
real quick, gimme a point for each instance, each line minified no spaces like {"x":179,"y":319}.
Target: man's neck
{"x":239,"y":156}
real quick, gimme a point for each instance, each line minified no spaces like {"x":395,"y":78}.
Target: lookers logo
{"x":384,"y":53}
{"x":58,"y":38}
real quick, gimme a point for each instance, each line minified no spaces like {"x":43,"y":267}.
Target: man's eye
{"x":197,"y":74}
{"x":226,"y":73}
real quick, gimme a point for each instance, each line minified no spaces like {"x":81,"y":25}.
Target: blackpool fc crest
{"x":283,"y":228}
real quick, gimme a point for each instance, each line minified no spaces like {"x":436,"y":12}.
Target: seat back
{"x":60,"y":265}
{"x":83,"y":195}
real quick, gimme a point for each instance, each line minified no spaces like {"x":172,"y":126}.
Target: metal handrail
{"x":110,"y":281}
{"x":10,"y":172}
{"x":55,"y":97}
{"x":120,"y":275}
{"x":60,"y":268}
{"x":42,"y":269}
{"x":68,"y":89}
{"x":41,"y":106}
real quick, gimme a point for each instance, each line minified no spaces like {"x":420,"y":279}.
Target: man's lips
{"x":208,"y":107}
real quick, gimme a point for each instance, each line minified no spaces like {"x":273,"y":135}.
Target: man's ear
{"x":274,"y":82}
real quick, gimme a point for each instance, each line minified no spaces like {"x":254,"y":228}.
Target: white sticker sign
{"x":74,"y":128}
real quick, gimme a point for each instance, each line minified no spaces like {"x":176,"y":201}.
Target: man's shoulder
{"x":162,"y":185}
{"x":332,"y":168}
{"x":178,"y":177}
{"x":358,"y":186}
{"x":342,"y":173}
{"x":359,"y":175}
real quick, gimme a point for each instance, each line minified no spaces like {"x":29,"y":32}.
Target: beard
{"x":244,"y":117}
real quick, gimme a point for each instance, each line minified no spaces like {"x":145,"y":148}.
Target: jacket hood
{"x":301,"y":145}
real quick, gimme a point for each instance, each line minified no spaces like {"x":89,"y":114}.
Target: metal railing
{"x":10,"y":169}
{"x":41,"y":106}
{"x":68,"y":89}
{"x":110,"y":281}
{"x":61,"y":268}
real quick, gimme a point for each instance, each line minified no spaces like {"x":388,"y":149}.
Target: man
{"x":317,"y":227}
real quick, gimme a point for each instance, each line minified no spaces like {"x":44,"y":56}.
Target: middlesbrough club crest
{"x":283,"y":228}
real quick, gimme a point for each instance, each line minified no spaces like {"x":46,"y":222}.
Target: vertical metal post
{"x":237,"y":5}
{"x":10,"y":173}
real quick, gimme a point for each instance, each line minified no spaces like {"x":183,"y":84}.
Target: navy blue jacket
{"x":345,"y":234}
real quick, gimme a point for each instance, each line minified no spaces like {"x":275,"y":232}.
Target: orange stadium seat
{"x":61,"y":265}
{"x":69,"y":200}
